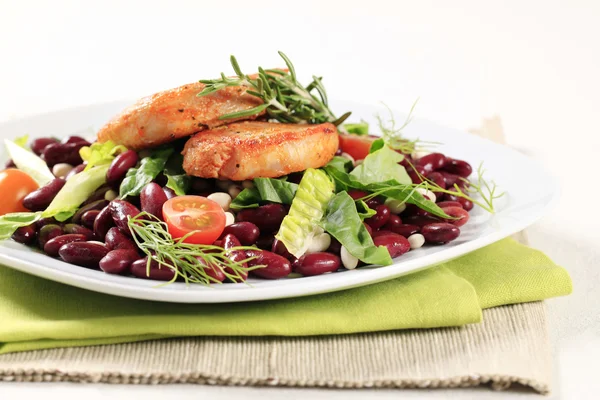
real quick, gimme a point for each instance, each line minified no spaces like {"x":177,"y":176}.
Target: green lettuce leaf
{"x":100,"y":153}
{"x":9,"y":223}
{"x":77,"y":190}
{"x":361,"y":128}
{"x":381,"y":165}
{"x":343,"y":222}
{"x":29,"y":163}
{"x":376,"y":145}
{"x":22,"y":141}
{"x":265,"y":189}
{"x":309,"y":204}
{"x":177,"y":179}
{"x":151,"y":166}
{"x":364,"y":211}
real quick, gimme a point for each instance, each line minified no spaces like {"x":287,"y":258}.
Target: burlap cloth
{"x":510,"y":346}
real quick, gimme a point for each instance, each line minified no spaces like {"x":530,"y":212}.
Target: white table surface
{"x":534,"y":63}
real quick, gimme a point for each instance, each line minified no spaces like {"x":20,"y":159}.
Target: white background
{"x":533,"y":63}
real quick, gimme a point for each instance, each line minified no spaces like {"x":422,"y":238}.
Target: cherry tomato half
{"x":355,"y":145}
{"x":14,"y":186}
{"x":185,"y":214}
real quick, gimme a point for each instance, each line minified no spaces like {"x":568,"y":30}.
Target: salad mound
{"x":295,"y":193}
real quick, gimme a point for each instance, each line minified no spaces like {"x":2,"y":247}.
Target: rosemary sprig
{"x":284,"y":98}
{"x":191,"y":260}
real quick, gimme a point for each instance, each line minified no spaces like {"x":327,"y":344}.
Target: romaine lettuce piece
{"x":380,"y":166}
{"x":29,"y":163}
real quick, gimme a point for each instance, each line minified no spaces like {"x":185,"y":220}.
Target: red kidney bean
{"x":412,"y":172}
{"x":40,"y":199}
{"x":57,"y":153}
{"x":218,"y":243}
{"x":405,"y":229}
{"x":437,"y":178}
{"x":381,"y":233}
{"x":407,"y":160}
{"x":75,"y":139}
{"x":368,"y":228}
{"x":316,"y":264}
{"x":420,"y":220}
{"x":96,"y":205}
{"x":84,"y":254}
{"x":121,"y":211}
{"x":49,"y":232}
{"x":158,"y":272}
{"x":10,"y":164}
{"x":229,"y":242}
{"x":432,"y":162}
{"x":440,"y":233}
{"x":265,"y":242}
{"x":378,"y":220}
{"x":338,"y":152}
{"x":77,"y":169}
{"x":40,"y":223}
{"x":268,"y":217}
{"x":458,"y":167}
{"x":217,"y":273}
{"x":170,"y":193}
{"x":457,"y":212}
{"x":279,"y":248}
{"x":103,"y":223}
{"x":246,"y":232}
{"x":412,"y":209}
{"x":116,"y":240}
{"x":80,"y":230}
{"x":335,"y":247}
{"x":447,"y":203}
{"x":393,"y":222}
{"x":53,"y":245}
{"x":118,"y":261}
{"x":449,"y":179}
{"x":359,"y":194}
{"x":152,"y":199}
{"x":89,"y":217}
{"x":25,"y":234}
{"x":38,"y":145}
{"x":396,"y":244}
{"x":120,"y":165}
{"x":464,"y":203}
{"x":275,"y":266}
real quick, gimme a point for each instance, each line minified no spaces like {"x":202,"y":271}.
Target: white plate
{"x":530,"y":193}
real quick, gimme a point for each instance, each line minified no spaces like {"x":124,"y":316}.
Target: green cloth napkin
{"x":37,"y":313}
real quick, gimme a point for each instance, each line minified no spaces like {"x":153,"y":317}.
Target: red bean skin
{"x":432,"y":162}
{"x":97,"y":195}
{"x":447,"y":203}
{"x":359,"y":194}
{"x":157,"y":271}
{"x":40,"y":199}
{"x":48,"y":232}
{"x":10,"y":164}
{"x":38,"y":145}
{"x":268,"y":217}
{"x":421,"y":220}
{"x":275,"y":266}
{"x":121,"y":211}
{"x":437,"y":178}
{"x":464,"y":203}
{"x":77,"y":169}
{"x":393,"y":222}
{"x":75,"y":139}
{"x":279,"y":248}
{"x":84,"y":254}
{"x":440,"y":233}
{"x":395,"y":244}
{"x":457,"y":212}
{"x":170,"y":193}
{"x":103,"y":223}
{"x":89,"y":217}
{"x":316,"y":264}
{"x":381,"y":233}
{"x":215,"y":272}
{"x":40,"y":223}
{"x":412,"y":172}
{"x":229,"y":242}
{"x":80,"y":230}
{"x":412,"y":209}
{"x":116,"y":240}
{"x":118,"y":261}
{"x":68,"y":153}
{"x":449,"y":179}
{"x":152,"y":199}
{"x":378,"y":220}
{"x":458,"y":167}
{"x":25,"y":234}
{"x":120,"y":165}
{"x":406,"y":229}
{"x":96,"y":205}
{"x":336,"y":247}
{"x":53,"y":246}
{"x":246,"y":232}
{"x":265,"y":242}
{"x":368,"y":228}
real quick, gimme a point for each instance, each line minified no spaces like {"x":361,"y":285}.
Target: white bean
{"x":223,"y":199}
{"x":395,"y":206}
{"x":229,"y":218}
{"x":427,"y":193}
{"x":349,"y":157}
{"x":233,"y":191}
{"x":110,"y":195}
{"x":320,"y":242}
{"x":61,"y":170}
{"x":348,"y":260}
{"x":416,"y":241}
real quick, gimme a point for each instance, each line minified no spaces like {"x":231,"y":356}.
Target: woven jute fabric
{"x":509,"y":346}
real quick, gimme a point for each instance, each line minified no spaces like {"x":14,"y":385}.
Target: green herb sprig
{"x":284,"y":98}
{"x":191,"y":260}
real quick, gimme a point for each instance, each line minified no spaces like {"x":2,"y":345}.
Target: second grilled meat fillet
{"x":252,"y":149}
